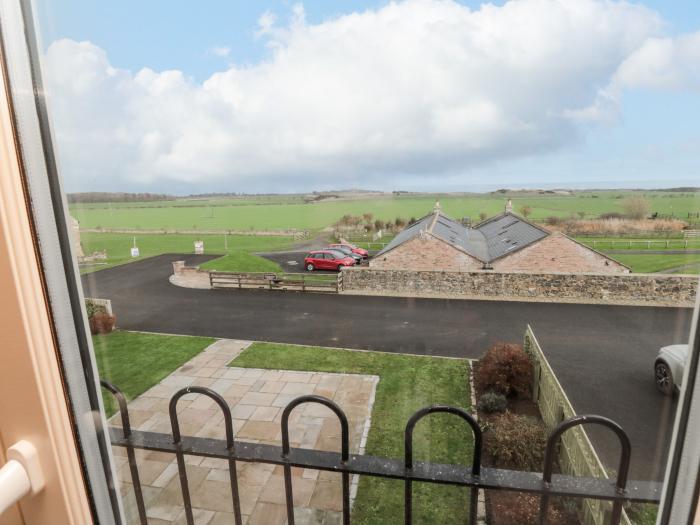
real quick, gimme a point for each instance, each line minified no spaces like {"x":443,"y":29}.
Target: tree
{"x":636,"y":207}
{"x":482,"y":216}
{"x":400,"y":222}
{"x":525,"y":211}
{"x":378,"y":224}
{"x":368,"y":217}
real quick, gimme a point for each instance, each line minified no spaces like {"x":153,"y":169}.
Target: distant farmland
{"x":286,"y":212}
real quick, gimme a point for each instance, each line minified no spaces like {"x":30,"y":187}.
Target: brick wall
{"x":610,"y":288}
{"x":557,"y":253}
{"x":425,"y":253}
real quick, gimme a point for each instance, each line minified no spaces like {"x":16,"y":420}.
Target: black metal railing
{"x":476,"y":477}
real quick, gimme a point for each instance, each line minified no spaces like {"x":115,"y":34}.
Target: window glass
{"x":551,"y":273}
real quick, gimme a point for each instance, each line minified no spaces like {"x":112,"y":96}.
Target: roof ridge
{"x":436,"y":216}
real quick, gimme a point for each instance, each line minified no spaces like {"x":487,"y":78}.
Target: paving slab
{"x":256,"y":398}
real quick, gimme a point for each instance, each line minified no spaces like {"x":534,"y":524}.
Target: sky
{"x":186,"y":97}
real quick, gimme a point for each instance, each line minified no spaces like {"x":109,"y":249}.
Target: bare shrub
{"x":517,"y":442}
{"x":636,"y":207}
{"x":506,"y":368}
{"x":524,"y":509}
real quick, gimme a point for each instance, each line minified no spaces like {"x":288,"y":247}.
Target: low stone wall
{"x":189,"y":276}
{"x":646,"y":289}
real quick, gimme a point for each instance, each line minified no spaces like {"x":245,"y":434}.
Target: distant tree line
{"x":368,"y":223}
{"x":104,"y":196}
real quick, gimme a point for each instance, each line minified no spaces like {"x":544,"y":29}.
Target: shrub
{"x":517,"y":442}
{"x":553,"y":220}
{"x":507,"y":369}
{"x":492,"y":402}
{"x":101,"y":323}
{"x":92,"y":308}
{"x":524,"y":509}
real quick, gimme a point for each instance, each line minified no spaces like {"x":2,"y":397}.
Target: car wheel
{"x":664,"y":378}
{"x":310,"y":267}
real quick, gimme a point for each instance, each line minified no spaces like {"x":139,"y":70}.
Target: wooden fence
{"x":272,"y":281}
{"x":679,"y":244}
{"x":577,"y":457}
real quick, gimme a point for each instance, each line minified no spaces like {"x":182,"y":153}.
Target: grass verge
{"x":406,"y":384}
{"x":657,"y":263}
{"x":134,"y":362}
{"x":242,"y":262}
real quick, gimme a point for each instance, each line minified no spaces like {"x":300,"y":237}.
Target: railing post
{"x":180,"y":454}
{"x":344,"y":454}
{"x":408,"y":457}
{"x":623,"y":468}
{"x":131,"y":456}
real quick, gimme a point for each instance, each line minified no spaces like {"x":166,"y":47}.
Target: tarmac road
{"x":603,"y":355}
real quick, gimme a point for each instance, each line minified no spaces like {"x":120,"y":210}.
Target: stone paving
{"x":257,"y":398}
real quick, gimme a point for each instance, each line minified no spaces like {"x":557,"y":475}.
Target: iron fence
{"x":546,"y":484}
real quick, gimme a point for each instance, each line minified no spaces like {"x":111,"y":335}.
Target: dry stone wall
{"x":650,"y":289}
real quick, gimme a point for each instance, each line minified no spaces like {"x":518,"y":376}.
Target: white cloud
{"x":222,"y":52}
{"x":416,"y":88}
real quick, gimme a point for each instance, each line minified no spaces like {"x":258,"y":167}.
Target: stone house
{"x":504,"y":243}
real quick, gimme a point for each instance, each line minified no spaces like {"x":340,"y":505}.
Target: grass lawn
{"x":653,"y":263}
{"x":118,"y":245}
{"x":643,"y":513}
{"x":134,"y":362}
{"x":620,"y":243}
{"x":406,"y":384}
{"x":242,"y":262}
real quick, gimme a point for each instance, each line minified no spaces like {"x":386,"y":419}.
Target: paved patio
{"x":257,"y":398}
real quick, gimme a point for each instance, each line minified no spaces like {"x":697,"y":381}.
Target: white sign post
{"x":134,"y":249}
{"x":199,"y":247}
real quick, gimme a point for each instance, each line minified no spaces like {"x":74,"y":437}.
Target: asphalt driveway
{"x":603,"y":355}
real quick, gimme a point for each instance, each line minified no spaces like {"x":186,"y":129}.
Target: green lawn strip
{"x":241,"y":262}
{"x":406,"y":384}
{"x":118,"y":245}
{"x":134,"y":361}
{"x":640,"y":244}
{"x":653,"y":263}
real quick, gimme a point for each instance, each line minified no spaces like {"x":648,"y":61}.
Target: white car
{"x":669,"y":367}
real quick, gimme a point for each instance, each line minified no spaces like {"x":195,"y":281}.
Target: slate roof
{"x":487,"y":241}
{"x":507,"y":232}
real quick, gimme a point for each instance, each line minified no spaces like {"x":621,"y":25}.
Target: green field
{"x":239,"y":246}
{"x":653,"y":263}
{"x":283,"y":212}
{"x":406,"y":384}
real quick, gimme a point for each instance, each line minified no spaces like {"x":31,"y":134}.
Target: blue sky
{"x":653,"y":140}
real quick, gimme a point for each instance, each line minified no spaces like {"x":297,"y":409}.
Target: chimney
{"x":436,"y":208}
{"x":509,"y":206}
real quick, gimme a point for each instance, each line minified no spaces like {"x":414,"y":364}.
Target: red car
{"x":327,"y":260}
{"x":359,"y":251}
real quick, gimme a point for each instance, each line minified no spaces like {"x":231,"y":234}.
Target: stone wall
{"x":425,"y":252}
{"x":648,"y":289}
{"x":189,"y":276}
{"x":558,"y":253}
